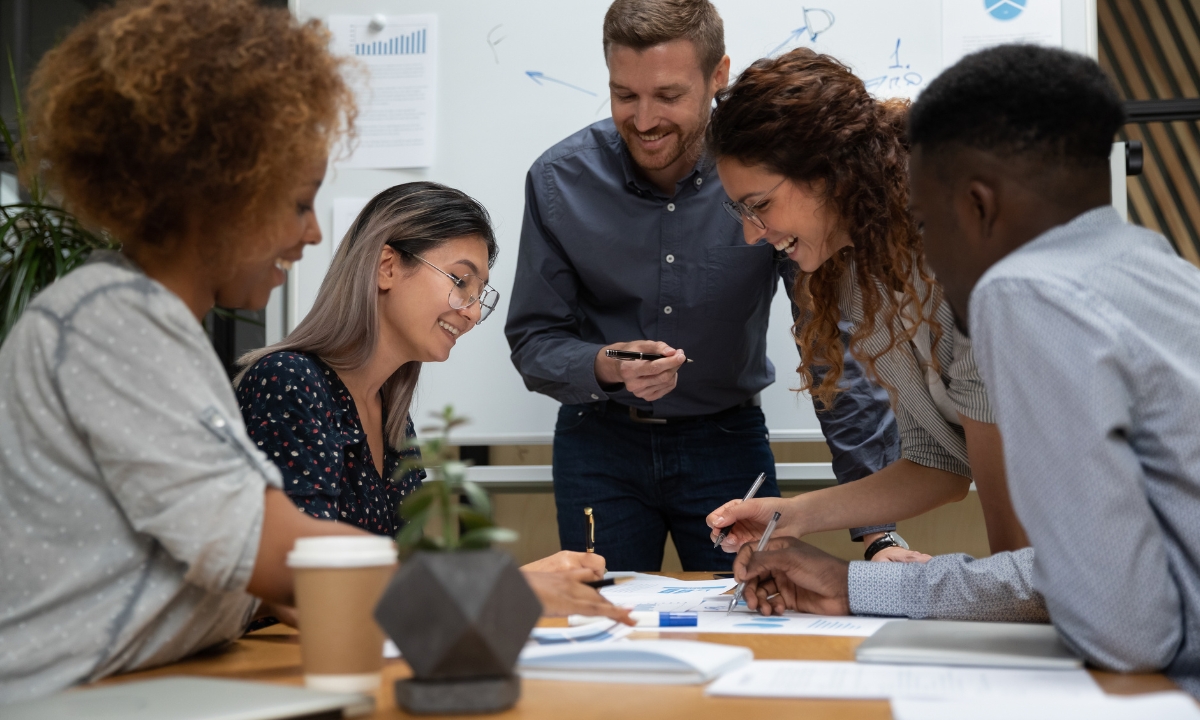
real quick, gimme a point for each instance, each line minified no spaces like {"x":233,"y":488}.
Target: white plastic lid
{"x":342,"y":551}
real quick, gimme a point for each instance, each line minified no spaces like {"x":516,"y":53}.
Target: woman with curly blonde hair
{"x":817,"y":167}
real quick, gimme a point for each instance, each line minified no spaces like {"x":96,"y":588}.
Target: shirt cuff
{"x":582,"y":372}
{"x":856,"y":534}
{"x":878,"y":588}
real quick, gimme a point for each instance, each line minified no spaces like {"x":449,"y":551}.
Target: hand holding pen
{"x":749,"y":494}
{"x":744,"y":520}
{"x":649,"y":379}
{"x":762,"y":543}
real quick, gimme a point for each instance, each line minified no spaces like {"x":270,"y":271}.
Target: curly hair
{"x":805,"y":116}
{"x":154,"y":118}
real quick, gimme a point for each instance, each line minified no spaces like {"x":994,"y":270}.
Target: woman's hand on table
{"x":563,"y":594}
{"x":747,"y":521}
{"x":567,"y":561}
{"x":805,"y":578}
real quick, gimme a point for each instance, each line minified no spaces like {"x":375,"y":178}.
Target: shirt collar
{"x":1090,"y":221}
{"x":637,"y":182}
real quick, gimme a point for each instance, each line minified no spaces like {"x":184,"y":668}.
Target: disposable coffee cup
{"x":339,"y":579}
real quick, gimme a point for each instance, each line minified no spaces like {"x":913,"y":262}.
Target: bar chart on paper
{"x":410,"y":43}
{"x":397,"y":96}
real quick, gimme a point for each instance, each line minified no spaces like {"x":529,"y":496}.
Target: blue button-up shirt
{"x":606,"y":257}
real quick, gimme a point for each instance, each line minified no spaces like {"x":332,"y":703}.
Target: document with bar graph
{"x":397,"y":93}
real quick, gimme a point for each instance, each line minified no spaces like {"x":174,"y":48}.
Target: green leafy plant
{"x":462,"y":506}
{"x":39,"y":241}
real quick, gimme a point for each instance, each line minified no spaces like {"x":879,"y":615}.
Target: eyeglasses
{"x":745,"y":213}
{"x":467,"y":290}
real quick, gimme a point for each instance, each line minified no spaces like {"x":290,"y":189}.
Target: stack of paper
{"x":669,"y":662}
{"x":847,"y":680}
{"x":1159,"y":706}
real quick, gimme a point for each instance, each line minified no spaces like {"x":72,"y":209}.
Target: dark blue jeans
{"x":643,"y":481}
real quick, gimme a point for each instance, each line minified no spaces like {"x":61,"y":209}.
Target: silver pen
{"x":753,"y":489}
{"x":762,"y":543}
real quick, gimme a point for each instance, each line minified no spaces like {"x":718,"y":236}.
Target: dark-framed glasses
{"x":468,"y":290}
{"x":745,"y":213}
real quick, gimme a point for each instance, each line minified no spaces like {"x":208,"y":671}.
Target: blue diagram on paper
{"x":1004,"y":9}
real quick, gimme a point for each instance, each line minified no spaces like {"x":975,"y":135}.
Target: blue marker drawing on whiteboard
{"x":1004,"y":9}
{"x":538,"y":77}
{"x":816,"y":22}
{"x":899,"y":76}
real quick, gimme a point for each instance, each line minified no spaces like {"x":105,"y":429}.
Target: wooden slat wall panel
{"x":1152,"y":50}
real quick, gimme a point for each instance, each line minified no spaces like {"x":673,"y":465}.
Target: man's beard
{"x":682,"y":145}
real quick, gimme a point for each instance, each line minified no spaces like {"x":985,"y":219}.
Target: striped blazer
{"x":926,"y":436}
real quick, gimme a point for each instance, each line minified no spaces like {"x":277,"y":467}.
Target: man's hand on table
{"x":648,"y":380}
{"x":793,"y":575}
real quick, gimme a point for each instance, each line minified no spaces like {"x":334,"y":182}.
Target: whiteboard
{"x":496,"y":114}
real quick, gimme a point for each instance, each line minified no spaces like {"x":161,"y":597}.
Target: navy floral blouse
{"x":301,"y":415}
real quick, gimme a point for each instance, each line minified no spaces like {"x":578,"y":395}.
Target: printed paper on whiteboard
{"x":970,"y":25}
{"x":397,"y":95}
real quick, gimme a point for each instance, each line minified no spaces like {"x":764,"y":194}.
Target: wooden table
{"x":273,"y":655}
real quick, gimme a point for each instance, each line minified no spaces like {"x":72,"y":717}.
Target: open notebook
{"x":666,"y":662}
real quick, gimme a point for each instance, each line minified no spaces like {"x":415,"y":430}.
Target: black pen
{"x":631,"y":355}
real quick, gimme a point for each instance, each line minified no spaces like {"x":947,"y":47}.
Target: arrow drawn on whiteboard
{"x":538,"y":77}
{"x":814,"y":26}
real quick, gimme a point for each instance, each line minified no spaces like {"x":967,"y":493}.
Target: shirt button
{"x":670,"y":258}
{"x":594,"y":397}
{"x":667,"y":309}
{"x":699,"y":181}
{"x":670,"y":207}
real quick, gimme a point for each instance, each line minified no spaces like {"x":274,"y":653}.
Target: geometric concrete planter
{"x":460,"y":619}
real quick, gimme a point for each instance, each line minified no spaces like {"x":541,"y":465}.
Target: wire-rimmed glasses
{"x":468,"y":290}
{"x":745,"y":213}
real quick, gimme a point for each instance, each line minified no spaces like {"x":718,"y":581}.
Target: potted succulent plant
{"x":459,"y":611}
{"x":39,"y":241}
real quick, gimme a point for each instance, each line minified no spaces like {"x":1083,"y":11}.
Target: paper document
{"x":668,"y":662}
{"x":1160,"y":706}
{"x":397,"y":95}
{"x":970,"y":25}
{"x":652,"y":593}
{"x":744,"y":621}
{"x":600,"y":631}
{"x":847,"y":680}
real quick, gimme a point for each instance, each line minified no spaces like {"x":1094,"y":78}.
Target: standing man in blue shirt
{"x":625,"y":245}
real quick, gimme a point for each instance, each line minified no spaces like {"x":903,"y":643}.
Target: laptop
{"x":192,"y":698}
{"x":979,"y":644}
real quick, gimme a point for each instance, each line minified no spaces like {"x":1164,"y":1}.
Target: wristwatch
{"x":887,"y":540}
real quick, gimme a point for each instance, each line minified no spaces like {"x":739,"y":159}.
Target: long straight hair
{"x":342,"y":329}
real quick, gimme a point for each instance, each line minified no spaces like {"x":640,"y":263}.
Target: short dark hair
{"x":641,"y":24}
{"x":1055,"y":105}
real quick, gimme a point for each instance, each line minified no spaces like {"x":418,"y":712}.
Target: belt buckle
{"x":633,"y":415}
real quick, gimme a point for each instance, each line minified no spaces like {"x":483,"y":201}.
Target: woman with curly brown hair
{"x":141,"y":524}
{"x":817,"y":167}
